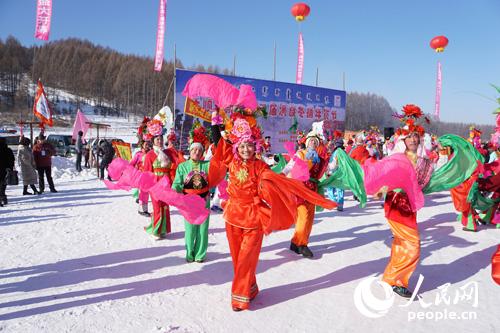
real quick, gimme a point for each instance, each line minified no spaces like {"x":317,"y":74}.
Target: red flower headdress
{"x":155,"y":127}
{"x":373,"y":135}
{"x":410,"y":117}
{"x":242,"y":127}
{"x":199,"y":134}
{"x":142,"y":131}
{"x":301,"y":137}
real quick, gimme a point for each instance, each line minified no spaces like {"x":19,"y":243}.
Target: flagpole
{"x":274,"y":67}
{"x":34,"y":94}
{"x":174,"y":82}
{"x":31,"y":133}
{"x":29,"y":84}
{"x":182,"y":131}
{"x":183,"y":114}
{"x":175,"y":85}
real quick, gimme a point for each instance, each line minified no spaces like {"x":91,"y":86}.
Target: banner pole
{"x":175,"y":86}
{"x":32,"y":79}
{"x":274,"y":67}
{"x":175,"y":82}
{"x":172,"y":83}
{"x":182,"y":131}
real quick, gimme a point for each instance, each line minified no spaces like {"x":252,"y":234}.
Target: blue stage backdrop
{"x":285,"y":103}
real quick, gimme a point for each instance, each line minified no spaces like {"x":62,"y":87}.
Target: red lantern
{"x":300,"y":11}
{"x":439,"y":43}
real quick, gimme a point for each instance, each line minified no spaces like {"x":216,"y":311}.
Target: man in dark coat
{"x":6,"y":162}
{"x":43,"y":152}
{"x":79,"y":151}
{"x":107,"y":152}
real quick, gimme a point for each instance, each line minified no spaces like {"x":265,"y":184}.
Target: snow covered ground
{"x":79,"y":261}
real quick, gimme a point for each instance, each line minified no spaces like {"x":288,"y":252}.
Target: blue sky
{"x":382,"y":46}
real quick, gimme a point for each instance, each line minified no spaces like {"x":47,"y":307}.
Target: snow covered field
{"x":79,"y":261}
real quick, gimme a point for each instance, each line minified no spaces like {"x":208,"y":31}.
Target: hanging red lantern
{"x":439,"y":43}
{"x":300,"y":11}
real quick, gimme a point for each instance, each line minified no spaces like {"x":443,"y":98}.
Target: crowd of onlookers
{"x":90,"y":150}
{"x":34,"y":163}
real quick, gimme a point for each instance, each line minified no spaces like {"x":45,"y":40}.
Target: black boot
{"x":25,"y":190}
{"x":294,"y":247}
{"x":35,"y":191}
{"x":305,"y":251}
{"x":402,"y":291}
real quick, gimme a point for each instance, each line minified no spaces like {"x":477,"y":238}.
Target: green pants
{"x":196,"y":237}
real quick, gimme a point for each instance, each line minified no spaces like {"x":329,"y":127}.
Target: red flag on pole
{"x":41,"y":107}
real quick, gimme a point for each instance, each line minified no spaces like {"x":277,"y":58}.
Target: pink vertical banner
{"x":43,"y":18}
{"x":160,"y":34}
{"x":438,"y":92}
{"x":80,"y":125}
{"x":300,"y":60}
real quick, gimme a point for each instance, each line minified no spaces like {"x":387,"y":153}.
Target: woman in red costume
{"x":137,"y":162}
{"x":260,"y":201}
{"x":359,"y":151}
{"x":162,"y":162}
{"x":495,"y":266}
{"x":405,"y":252}
{"x":492,"y":184}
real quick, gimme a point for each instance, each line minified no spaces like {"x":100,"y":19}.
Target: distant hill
{"x":112,"y":82}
